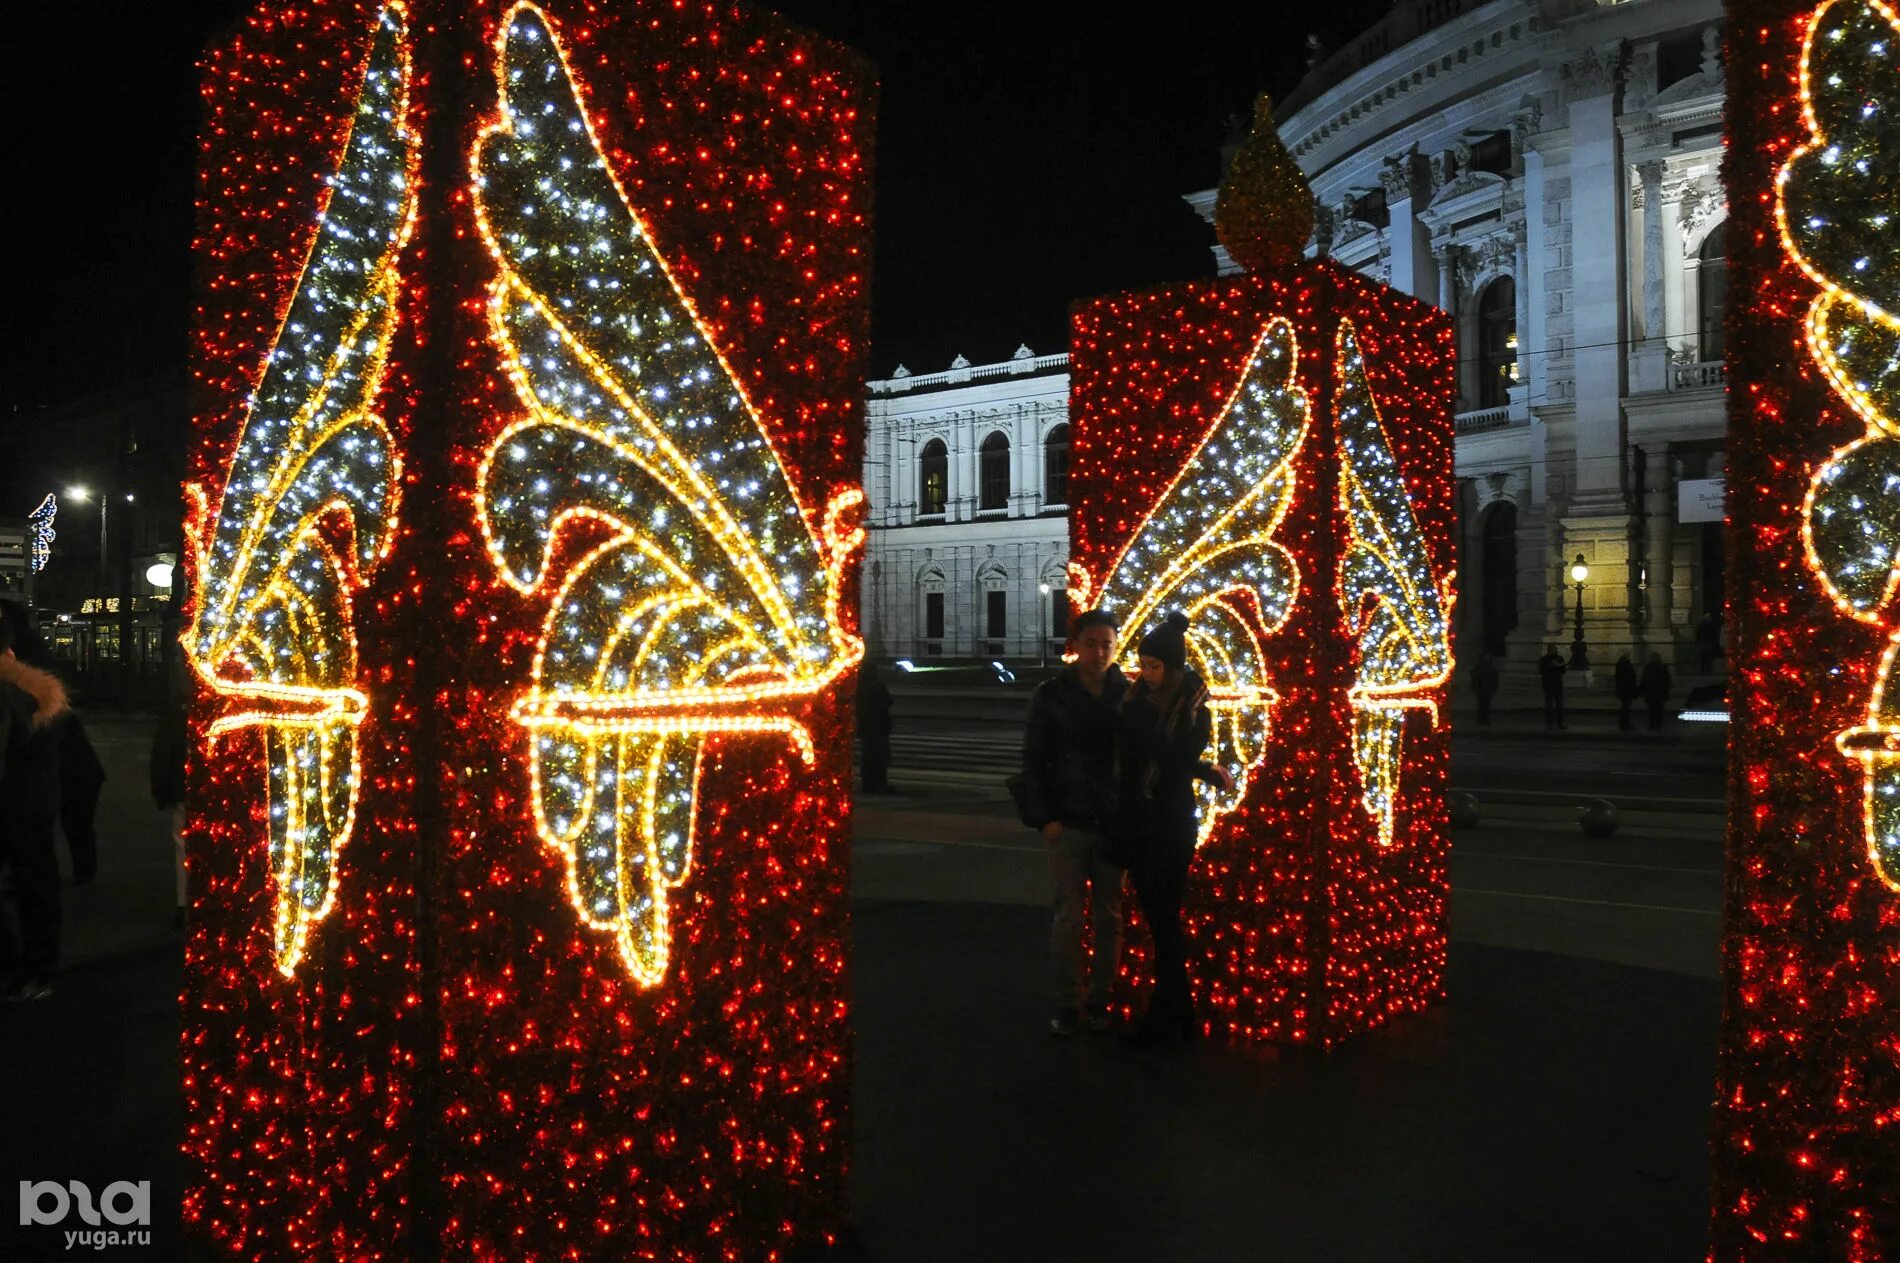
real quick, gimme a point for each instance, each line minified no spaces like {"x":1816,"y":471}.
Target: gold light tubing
{"x":1208,"y":549}
{"x":1836,"y":197}
{"x":1387,"y":592}
{"x":273,"y":633}
{"x":712,"y":606}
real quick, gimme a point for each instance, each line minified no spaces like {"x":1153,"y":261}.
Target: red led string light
{"x":1808,"y":1079}
{"x":1304,"y":928}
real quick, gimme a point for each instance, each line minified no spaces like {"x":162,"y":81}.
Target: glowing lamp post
{"x":1579,"y":652}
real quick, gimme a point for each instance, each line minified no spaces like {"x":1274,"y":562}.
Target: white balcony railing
{"x":1700,"y":375}
{"x":1483,"y":419}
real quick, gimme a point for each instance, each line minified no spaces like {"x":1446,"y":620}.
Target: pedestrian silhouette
{"x":1550,"y":673}
{"x":1484,"y":682}
{"x":874,"y":730}
{"x":1655,"y":688}
{"x":1625,"y":692}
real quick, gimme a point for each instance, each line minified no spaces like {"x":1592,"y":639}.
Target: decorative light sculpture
{"x":1808,"y":1083}
{"x":1388,"y":593}
{"x":40,"y":523}
{"x":1208,"y":548}
{"x":1271,"y":453}
{"x":606,"y":653}
{"x":713,"y":606}
{"x":273,"y":632}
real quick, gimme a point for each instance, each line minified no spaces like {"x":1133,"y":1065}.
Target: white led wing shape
{"x":1208,"y":549}
{"x":712,"y":605}
{"x":273,"y":633}
{"x":1390,"y":598}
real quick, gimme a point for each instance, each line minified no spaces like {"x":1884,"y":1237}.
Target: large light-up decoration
{"x":1208,"y":548}
{"x":1808,"y":1083}
{"x":273,"y":632}
{"x":546,"y":954}
{"x":1271,"y":453}
{"x":1837,"y":199}
{"x":1388,"y":593}
{"x":40,"y":523}
{"x":712,"y":607}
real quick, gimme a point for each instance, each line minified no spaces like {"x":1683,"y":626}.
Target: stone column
{"x":1447,"y":257}
{"x":1658,"y":621}
{"x":1649,"y":359}
{"x":1407,"y":189}
{"x":1597,"y":518}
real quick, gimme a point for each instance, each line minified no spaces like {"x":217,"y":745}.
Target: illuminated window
{"x":933,"y":478}
{"x":1497,"y":343}
{"x":1711,"y":291}
{"x":993,"y":472}
{"x":1055,"y":466}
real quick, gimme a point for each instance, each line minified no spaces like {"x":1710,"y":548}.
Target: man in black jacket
{"x":1069,"y":794}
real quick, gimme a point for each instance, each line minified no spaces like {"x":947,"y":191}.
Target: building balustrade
{"x":1483,"y":419}
{"x":1701,"y":375}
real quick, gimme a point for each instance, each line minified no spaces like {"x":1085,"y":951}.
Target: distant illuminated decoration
{"x":1387,"y":592}
{"x":712,"y":606}
{"x":1834,"y":204}
{"x":40,"y":522}
{"x":1208,"y":548}
{"x":274,"y":634}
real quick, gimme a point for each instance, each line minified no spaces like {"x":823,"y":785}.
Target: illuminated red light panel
{"x":1273,"y":455}
{"x":1807,"y":1109}
{"x":524,"y":510}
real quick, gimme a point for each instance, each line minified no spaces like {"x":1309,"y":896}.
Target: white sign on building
{"x":1700,"y":500}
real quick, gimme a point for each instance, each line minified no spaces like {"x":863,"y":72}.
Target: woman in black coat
{"x":1164,"y":730}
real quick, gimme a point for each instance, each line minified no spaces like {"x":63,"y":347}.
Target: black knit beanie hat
{"x":1168,"y":642}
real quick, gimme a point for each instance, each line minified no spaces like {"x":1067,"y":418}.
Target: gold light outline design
{"x":310,"y":707}
{"x":585,"y":716}
{"x":1386,"y":701}
{"x":1875,"y":745}
{"x":1228,"y":705}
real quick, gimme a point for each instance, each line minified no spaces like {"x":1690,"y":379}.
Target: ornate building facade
{"x":967,"y":475}
{"x":1547,"y":171}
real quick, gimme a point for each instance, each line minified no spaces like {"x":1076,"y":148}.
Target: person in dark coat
{"x":1484,"y":682}
{"x":1625,"y":692}
{"x":1550,"y":673}
{"x":1655,"y":686}
{"x":35,"y":706}
{"x":874,"y":730}
{"x":1069,"y":797}
{"x":1164,"y":730}
{"x":81,"y":774}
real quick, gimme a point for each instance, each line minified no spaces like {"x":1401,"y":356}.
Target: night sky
{"x":1027,"y":155}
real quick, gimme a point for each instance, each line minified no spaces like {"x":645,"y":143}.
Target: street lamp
{"x":1579,"y":652}
{"x":1042,"y":641}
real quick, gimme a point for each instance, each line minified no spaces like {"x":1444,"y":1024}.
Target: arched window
{"x":1711,"y":291}
{"x":933,"y":478}
{"x":993,"y":472}
{"x":1497,"y":342}
{"x":1055,"y":466}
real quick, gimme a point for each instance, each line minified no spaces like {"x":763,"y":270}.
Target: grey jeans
{"x":1076,"y":863}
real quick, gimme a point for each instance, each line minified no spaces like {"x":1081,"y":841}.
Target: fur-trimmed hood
{"x":48,"y":694}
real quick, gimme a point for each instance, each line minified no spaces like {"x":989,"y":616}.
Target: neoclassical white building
{"x":1547,"y":171}
{"x":967,"y":476}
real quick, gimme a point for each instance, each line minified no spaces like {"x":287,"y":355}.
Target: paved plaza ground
{"x":1555,"y":1107}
